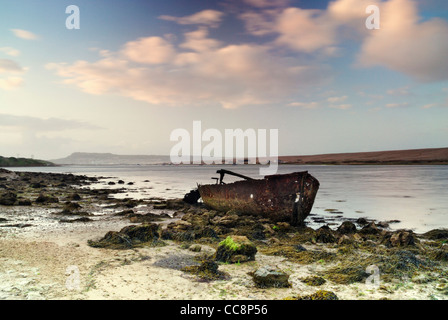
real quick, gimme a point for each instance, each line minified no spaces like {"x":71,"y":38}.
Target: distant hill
{"x":84,"y":158}
{"x":23,"y":162}
{"x":413,"y":156}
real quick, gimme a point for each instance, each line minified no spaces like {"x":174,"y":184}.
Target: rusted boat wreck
{"x":280,"y":197}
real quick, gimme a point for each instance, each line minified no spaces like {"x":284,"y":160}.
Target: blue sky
{"x":137,"y":70}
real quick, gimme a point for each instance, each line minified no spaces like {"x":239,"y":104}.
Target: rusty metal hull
{"x":280,"y":197}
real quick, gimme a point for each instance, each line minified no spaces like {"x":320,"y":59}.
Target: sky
{"x":134,"y":71}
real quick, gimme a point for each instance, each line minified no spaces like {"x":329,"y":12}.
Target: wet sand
{"x":44,"y":251}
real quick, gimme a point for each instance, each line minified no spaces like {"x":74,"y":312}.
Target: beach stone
{"x":399,"y":238}
{"x":345,"y":240}
{"x":402,"y":239}
{"x":46,"y":199}
{"x":325,"y":235}
{"x":371,"y":228}
{"x":236,"y":249}
{"x":347,"y":227}
{"x":436,"y":234}
{"x":128,"y":237}
{"x":195,"y":248}
{"x":362,"y":221}
{"x":8,"y":198}
{"x":268,"y":276}
{"x":319,"y":295}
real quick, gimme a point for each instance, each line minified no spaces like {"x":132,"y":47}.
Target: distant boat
{"x":280,"y":197}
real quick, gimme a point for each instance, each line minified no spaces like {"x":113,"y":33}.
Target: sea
{"x":406,"y":196}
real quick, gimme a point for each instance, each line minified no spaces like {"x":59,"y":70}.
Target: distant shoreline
{"x":430,"y":156}
{"x":433,"y":156}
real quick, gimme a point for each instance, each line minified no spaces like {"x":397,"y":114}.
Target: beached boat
{"x":280,"y":197}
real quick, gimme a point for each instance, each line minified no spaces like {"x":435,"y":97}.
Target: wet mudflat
{"x":62,"y":239}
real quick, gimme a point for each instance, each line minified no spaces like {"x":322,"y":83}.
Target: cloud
{"x":305,"y":105}
{"x":397,"y":105}
{"x":210,"y":18}
{"x":267,"y":3}
{"x":11,"y":83}
{"x":150,"y":50}
{"x":7,"y":65}
{"x":407,"y":44}
{"x":305,"y":30}
{"x":10,"y":74}
{"x":42,"y":125}
{"x":198,"y":41}
{"x":337,"y":99}
{"x":200,"y":70}
{"x":24,"y":34}
{"x":341,"y":106}
{"x":404,"y":91}
{"x":10,"y":51}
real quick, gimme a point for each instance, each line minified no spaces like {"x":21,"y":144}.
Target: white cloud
{"x":24,"y":34}
{"x":229,"y":75}
{"x":10,"y":74}
{"x":42,"y":125}
{"x":305,"y":30}
{"x":210,"y":18}
{"x":11,"y":83}
{"x":267,"y":3}
{"x":341,"y":106}
{"x":404,"y":91}
{"x":10,"y":51}
{"x":305,"y":105}
{"x":7,"y":65}
{"x":337,"y":99}
{"x":150,"y":50}
{"x":397,"y":105}
{"x":429,"y":105}
{"x":407,"y":44}
{"x":198,"y":41}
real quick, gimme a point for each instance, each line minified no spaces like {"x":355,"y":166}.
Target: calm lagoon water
{"x":417,"y":196}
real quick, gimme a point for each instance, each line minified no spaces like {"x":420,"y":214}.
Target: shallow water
{"x":417,"y":196}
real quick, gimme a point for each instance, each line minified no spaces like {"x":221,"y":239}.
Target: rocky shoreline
{"x":52,"y":224}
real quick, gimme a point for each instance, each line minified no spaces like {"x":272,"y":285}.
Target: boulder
{"x":325,"y":235}
{"x":347,"y":227}
{"x":8,"y":198}
{"x":236,"y":249}
{"x":267,"y":276}
{"x":44,"y":199}
{"x":371,"y":228}
{"x":128,"y":237}
{"x":400,"y":238}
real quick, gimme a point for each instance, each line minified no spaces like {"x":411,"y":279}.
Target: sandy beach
{"x":45,"y":251}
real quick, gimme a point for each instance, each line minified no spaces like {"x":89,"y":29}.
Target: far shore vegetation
{"x":23,"y":162}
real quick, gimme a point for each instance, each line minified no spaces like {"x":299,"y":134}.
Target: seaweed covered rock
{"x":436,"y":234}
{"x":8,"y":198}
{"x":267,"y":277}
{"x":325,"y":235}
{"x":44,"y":199}
{"x":319,"y":295}
{"x":128,"y":237}
{"x":207,"y":270}
{"x":400,"y":238}
{"x":370,"y":229}
{"x":347,"y":227}
{"x":236,"y":249}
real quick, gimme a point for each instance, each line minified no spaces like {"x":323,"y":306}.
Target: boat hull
{"x":281,"y":197}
